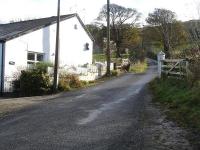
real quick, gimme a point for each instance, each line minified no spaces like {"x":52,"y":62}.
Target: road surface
{"x":114,"y":115}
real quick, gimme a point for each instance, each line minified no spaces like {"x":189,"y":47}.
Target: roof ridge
{"x":24,"y":21}
{"x":15,"y":29}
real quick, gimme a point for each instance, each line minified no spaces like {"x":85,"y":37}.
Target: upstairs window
{"x":75,"y":27}
{"x":87,"y":46}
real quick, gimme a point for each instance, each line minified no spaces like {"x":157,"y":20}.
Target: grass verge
{"x":182,"y":101}
{"x":139,"y":67}
{"x":102,"y":57}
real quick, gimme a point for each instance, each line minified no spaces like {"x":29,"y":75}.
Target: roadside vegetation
{"x":181,"y":96}
{"x":68,"y":82}
{"x":181,"y":99}
{"x":37,"y":81}
{"x":139,"y":67}
{"x":136,"y":66}
{"x":102,"y":57}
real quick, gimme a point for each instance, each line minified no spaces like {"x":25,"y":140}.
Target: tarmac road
{"x":109,"y":116}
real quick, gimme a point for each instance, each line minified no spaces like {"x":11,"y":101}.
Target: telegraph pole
{"x":56,"y":63}
{"x":108,"y":38}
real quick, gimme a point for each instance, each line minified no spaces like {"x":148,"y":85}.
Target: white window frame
{"x":35,"y":57}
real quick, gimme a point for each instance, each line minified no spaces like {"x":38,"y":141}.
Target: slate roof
{"x":12,"y":30}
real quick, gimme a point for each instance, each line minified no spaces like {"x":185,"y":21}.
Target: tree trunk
{"x":166,"y":43}
{"x":115,"y":38}
{"x":117,"y":41}
{"x":118,"y":54}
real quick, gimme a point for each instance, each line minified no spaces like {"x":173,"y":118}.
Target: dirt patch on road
{"x":8,"y":106}
{"x":15,"y":104}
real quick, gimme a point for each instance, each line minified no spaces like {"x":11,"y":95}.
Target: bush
{"x":31,"y":83}
{"x":63,"y":85}
{"x":43,"y":66}
{"x":137,"y":55}
{"x":193,"y":56}
{"x":68,"y":81}
{"x":84,"y":83}
{"x":194,"y":77}
{"x":152,"y":55}
{"x":114,"y":73}
{"x":139,"y":67}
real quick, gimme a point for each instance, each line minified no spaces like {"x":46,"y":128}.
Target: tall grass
{"x":102,"y":57}
{"x":139,"y":67}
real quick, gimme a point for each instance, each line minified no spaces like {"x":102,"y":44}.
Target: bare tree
{"x":119,"y":15}
{"x":163,"y":19}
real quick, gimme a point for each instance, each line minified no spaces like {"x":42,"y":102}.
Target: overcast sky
{"x":89,"y":9}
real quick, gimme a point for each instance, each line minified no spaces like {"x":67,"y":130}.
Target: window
{"x":87,"y":46}
{"x":40,"y":57}
{"x":33,"y":58}
{"x":75,"y":27}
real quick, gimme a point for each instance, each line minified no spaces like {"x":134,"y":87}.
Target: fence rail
{"x":173,"y":67}
{"x":8,"y":84}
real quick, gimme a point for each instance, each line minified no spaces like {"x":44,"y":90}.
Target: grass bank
{"x":139,"y":67}
{"x":102,"y":57}
{"x":182,"y":101}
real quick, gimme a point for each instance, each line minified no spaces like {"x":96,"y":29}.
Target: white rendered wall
{"x":72,"y":43}
{"x":43,"y":41}
{"x":16,"y":50}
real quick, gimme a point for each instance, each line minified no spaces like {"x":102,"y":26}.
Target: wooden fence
{"x":174,"y":67}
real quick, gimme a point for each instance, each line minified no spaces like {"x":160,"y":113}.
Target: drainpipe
{"x":2,"y":68}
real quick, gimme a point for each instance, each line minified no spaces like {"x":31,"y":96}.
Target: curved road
{"x":109,"y":116}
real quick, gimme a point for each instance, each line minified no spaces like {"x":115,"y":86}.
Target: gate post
{"x":160,"y":58}
{"x":187,"y":69}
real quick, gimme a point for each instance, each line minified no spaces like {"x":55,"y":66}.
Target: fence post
{"x":160,"y":58}
{"x":187,"y":69}
{"x":180,"y":68}
{"x":159,"y":68}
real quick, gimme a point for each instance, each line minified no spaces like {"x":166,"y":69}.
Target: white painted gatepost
{"x":172,"y":67}
{"x":160,"y":57}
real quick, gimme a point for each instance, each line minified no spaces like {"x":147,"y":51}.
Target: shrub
{"x":74,"y":81}
{"x":194,"y":77}
{"x":152,"y":55}
{"x":193,"y":55}
{"x":63,"y":85}
{"x":139,"y":67}
{"x":43,"y":66}
{"x":114,"y":73}
{"x":84,"y":83}
{"x":16,"y":86}
{"x":32,"y":82}
{"x":68,"y":81}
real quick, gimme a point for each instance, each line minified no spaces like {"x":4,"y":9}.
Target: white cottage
{"x":28,"y":42}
